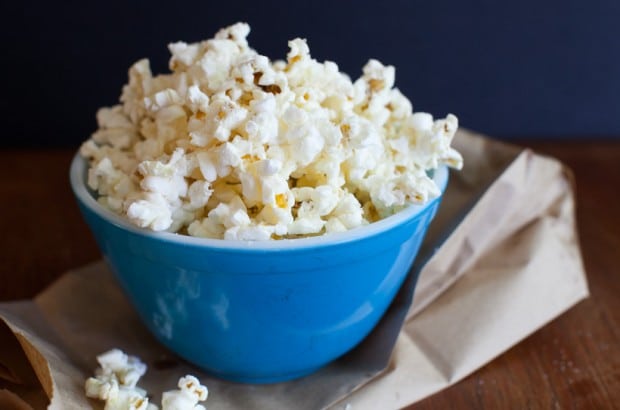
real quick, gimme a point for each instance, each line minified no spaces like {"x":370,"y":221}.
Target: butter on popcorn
{"x":231,"y":145}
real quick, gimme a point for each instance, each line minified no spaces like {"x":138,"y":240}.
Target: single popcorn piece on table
{"x":116,"y":379}
{"x":230,"y":145}
{"x":188,"y":395}
{"x":122,"y":367}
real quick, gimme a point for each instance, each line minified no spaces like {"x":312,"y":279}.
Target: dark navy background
{"x":508,"y":68}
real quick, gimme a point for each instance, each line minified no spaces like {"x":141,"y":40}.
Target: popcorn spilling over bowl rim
{"x":79,"y":168}
{"x":233,"y":146}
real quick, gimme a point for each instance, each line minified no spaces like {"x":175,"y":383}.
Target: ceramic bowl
{"x":265,"y":311}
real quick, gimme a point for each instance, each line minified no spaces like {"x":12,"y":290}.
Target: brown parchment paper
{"x":500,"y":260}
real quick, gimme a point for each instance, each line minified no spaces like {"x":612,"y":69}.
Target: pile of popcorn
{"x":116,"y":379}
{"x":231,"y":145}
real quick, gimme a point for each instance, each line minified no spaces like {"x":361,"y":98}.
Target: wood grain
{"x":572,"y":363}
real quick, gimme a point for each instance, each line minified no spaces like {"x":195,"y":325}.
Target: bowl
{"x":264,"y":311}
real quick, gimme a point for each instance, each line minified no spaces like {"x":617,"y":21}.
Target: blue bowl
{"x":259,"y":312}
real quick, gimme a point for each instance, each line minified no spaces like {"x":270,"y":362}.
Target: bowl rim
{"x":78,"y":170}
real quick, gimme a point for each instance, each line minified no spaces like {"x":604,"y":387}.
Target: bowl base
{"x":270,"y":379}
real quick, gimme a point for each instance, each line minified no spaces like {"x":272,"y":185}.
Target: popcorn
{"x":230,"y":145}
{"x":115,"y":382}
{"x":116,"y":379}
{"x":126,"y":369}
{"x":152,"y":212}
{"x":129,"y":399}
{"x":188,"y":395}
{"x":101,"y":388}
{"x":348,"y":213}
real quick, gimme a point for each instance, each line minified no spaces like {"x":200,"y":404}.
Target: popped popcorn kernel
{"x":190,"y":392}
{"x":115,"y":383}
{"x":231,"y":145}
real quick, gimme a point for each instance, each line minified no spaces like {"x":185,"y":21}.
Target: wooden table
{"x":574,"y":362}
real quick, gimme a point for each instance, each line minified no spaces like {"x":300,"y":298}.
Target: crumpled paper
{"x":501,"y":259}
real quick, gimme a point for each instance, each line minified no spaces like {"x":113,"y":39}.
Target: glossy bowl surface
{"x":264,"y":311}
